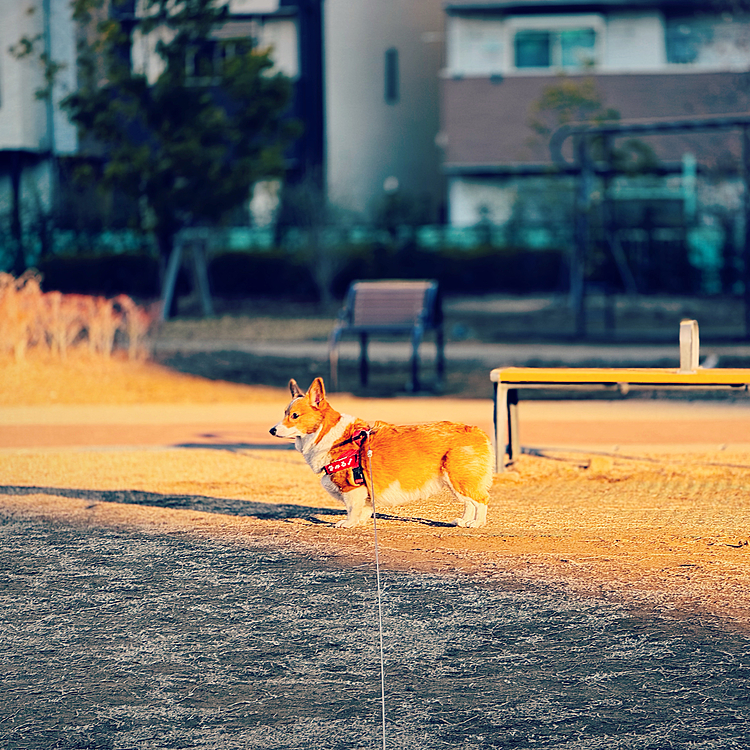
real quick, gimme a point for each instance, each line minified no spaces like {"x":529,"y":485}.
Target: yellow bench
{"x":509,"y":380}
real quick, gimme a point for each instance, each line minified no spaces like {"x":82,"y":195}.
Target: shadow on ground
{"x":200,"y":503}
{"x":204,"y":504}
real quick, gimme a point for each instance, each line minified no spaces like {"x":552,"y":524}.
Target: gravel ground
{"x":118,"y":639}
{"x":187,"y":589}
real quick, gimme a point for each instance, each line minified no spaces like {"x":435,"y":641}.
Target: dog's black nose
{"x":273,"y":430}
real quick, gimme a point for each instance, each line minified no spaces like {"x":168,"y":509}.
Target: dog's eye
{"x":295,"y":415}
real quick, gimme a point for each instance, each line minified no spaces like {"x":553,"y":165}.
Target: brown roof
{"x":487,"y":121}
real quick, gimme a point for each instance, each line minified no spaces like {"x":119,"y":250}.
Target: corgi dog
{"x":399,"y":463}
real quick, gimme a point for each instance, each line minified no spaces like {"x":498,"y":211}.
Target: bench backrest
{"x":396,"y":303}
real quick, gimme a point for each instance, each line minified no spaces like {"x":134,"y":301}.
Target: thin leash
{"x":380,"y":591}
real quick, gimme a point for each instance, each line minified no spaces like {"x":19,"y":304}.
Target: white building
{"x":366,"y":88}
{"x":33,"y":127}
{"x":382,"y":64}
{"x":646,"y":58}
{"x":366,"y":78}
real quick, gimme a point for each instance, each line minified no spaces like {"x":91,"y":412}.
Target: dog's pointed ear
{"x":295,"y":389}
{"x":317,"y":392}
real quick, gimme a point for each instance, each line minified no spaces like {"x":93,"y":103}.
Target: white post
{"x":689,"y":346}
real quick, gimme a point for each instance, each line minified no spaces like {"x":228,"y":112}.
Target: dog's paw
{"x":458,"y":522}
{"x":475,"y":524}
{"x":346,"y":523}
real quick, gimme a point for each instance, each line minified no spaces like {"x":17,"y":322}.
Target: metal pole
{"x":582,"y":227}
{"x":746,"y":207}
{"x":610,"y":224}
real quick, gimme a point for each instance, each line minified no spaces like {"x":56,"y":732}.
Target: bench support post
{"x":506,"y":421}
{"x":689,"y":346}
{"x":497,"y":439}
{"x":514,"y":438}
{"x":333,"y":361}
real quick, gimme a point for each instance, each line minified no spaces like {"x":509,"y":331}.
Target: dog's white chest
{"x":315,"y":451}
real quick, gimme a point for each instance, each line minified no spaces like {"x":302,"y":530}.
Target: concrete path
{"x":621,"y":426}
{"x":491,"y":355}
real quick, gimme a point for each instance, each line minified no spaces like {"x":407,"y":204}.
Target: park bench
{"x":509,"y":380}
{"x":390,"y":307}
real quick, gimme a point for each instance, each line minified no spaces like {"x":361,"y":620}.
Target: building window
{"x":555,"y":48}
{"x":391,"y":76}
{"x":684,"y":40}
{"x":533,"y":49}
{"x":204,"y":64}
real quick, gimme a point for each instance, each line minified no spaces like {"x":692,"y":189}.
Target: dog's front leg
{"x":357,"y":511}
{"x":356,"y":508}
{"x":354,"y":501}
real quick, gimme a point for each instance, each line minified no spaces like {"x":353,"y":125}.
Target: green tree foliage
{"x":192,"y":142}
{"x":578,"y":100}
{"x":569,"y":100}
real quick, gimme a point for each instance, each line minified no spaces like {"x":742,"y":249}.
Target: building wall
{"x":645,"y":64}
{"x":277,"y":34}
{"x":635,"y":42}
{"x":626,"y":41}
{"x":23,"y":117}
{"x":370,"y":141}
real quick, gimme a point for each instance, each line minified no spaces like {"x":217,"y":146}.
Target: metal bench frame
{"x":509,"y":380}
{"x":390,"y":307}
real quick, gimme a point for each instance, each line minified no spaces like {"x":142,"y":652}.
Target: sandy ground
{"x":646,"y":502}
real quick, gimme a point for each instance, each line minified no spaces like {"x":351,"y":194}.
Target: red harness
{"x":350,"y":459}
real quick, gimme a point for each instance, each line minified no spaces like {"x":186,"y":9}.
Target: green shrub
{"x":103,"y":275}
{"x":239,"y":274}
{"x":284,"y":274}
{"x":481,"y":270}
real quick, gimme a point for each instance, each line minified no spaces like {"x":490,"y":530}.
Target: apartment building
{"x":366,"y":90}
{"x":643,"y":58}
{"x":34,"y":130}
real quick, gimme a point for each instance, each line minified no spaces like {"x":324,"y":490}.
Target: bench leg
{"x":514,"y":438}
{"x":363,"y":361}
{"x":505,"y":418}
{"x":496,"y":411}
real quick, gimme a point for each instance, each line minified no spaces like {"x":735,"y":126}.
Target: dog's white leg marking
{"x":356,"y":510}
{"x":470,"y":512}
{"x":354,"y":501}
{"x":480,"y":515}
{"x":475,"y":513}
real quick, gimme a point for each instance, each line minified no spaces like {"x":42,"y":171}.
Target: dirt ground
{"x":641,"y":501}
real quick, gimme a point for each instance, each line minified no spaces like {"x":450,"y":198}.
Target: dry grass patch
{"x":84,"y":378}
